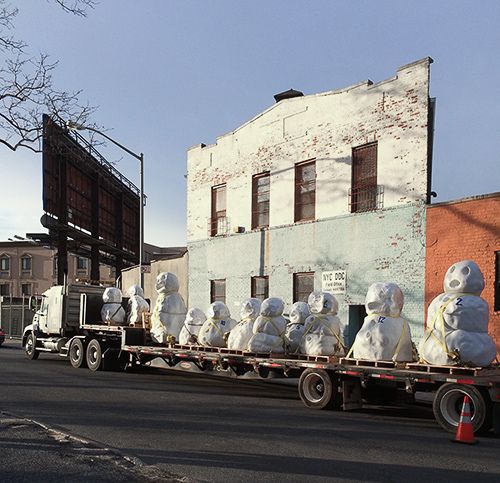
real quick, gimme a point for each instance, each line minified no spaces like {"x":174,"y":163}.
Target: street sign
{"x":334,"y":281}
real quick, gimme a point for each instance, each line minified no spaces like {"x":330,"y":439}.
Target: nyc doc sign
{"x":333,"y":282}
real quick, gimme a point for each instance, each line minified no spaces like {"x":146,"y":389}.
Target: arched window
{"x":4,"y":263}
{"x":26,"y":263}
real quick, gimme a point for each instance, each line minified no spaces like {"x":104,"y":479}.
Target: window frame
{"x":215,"y":215}
{"x":30,"y":285}
{"x":256,"y":206}
{"x":213,"y":296}
{"x":364,"y":191}
{"x":5,"y":257}
{"x":253,"y":287}
{"x":25,"y":258}
{"x":79,"y":269}
{"x":8,"y":290}
{"x":298,"y":196}
{"x":296,"y":280}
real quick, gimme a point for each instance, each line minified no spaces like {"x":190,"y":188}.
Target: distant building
{"x":324,"y":191}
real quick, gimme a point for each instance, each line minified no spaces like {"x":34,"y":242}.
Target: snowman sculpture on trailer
{"x":322,"y":335}
{"x":385,"y":335}
{"x":295,"y":328}
{"x":457,"y":321}
{"x":192,"y":325}
{"x":137,"y":305}
{"x":240,"y":336}
{"x":112,"y":311}
{"x":169,"y":311}
{"x":269,"y":328}
{"x":213,"y":332}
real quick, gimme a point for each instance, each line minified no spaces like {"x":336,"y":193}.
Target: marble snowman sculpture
{"x":457,"y":321}
{"x":322,"y":335}
{"x":218,"y":324}
{"x":169,"y":311}
{"x":195,"y":318}
{"x":385,"y":335}
{"x":240,"y":336}
{"x":112,"y":311}
{"x":269,"y":328}
{"x":137,"y":305}
{"x":295,"y":328}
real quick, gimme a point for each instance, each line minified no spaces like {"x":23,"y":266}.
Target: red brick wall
{"x":467,"y":229}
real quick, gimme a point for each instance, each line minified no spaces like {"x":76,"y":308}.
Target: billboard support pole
{"x":141,"y":224}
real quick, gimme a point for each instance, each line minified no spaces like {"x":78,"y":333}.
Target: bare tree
{"x":26,"y":86}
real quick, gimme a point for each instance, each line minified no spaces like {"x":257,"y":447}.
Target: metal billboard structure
{"x":91,"y":209}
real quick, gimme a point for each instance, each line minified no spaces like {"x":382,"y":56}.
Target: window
{"x":218,"y":290}
{"x":260,"y":200}
{"x":218,"y":221}
{"x":26,"y":289}
{"x":5,"y":289}
{"x":305,"y":191}
{"x":4,"y":263}
{"x":364,"y":191}
{"x":303,"y":285}
{"x":497,"y":281}
{"x":26,"y":263}
{"x":260,"y":287}
{"x":81,"y":264}
{"x":54,"y":266}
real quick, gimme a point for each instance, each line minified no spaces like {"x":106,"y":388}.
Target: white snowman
{"x":169,"y":311}
{"x":385,"y":335}
{"x":295,"y":328}
{"x":269,"y":328}
{"x":137,"y":305}
{"x":192,"y":325}
{"x":322,"y":335}
{"x":112,"y":311}
{"x":457,"y":321}
{"x":240,"y":336}
{"x":218,"y":324}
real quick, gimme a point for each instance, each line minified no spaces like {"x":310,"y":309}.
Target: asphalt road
{"x":214,"y":429}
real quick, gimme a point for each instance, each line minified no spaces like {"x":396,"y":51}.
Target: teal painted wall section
{"x":381,"y":246}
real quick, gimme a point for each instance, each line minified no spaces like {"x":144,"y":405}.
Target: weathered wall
{"x":464,"y":230}
{"x":384,"y":245}
{"x":326,"y":127}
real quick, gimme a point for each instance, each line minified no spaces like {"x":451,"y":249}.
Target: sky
{"x":167,"y":75}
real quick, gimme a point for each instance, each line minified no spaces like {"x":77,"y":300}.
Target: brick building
{"x":466,"y":229}
{"x":317,"y":187}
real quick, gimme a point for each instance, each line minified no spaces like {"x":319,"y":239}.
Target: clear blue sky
{"x":170,"y":74}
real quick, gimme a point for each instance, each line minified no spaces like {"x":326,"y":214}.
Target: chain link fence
{"x":14,"y":315}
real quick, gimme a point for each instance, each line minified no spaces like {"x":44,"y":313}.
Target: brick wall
{"x":459,"y":230}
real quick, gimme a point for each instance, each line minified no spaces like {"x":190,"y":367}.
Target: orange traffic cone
{"x":465,"y":430}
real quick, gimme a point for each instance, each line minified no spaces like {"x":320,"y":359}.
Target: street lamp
{"x":73,"y":126}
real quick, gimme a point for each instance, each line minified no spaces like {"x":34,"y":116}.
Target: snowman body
{"x":240,"y":335}
{"x":269,"y":328}
{"x":295,"y":327}
{"x":112,"y":311}
{"x":137,"y":305}
{"x":195,"y":318}
{"x":213,"y":332}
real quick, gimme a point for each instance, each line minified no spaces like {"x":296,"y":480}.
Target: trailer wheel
{"x":319,"y":390}
{"x":77,"y":353}
{"x":447,"y":407}
{"x":29,"y":347}
{"x":94,"y":355}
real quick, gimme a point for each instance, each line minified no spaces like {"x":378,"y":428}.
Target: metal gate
{"x":14,"y":315}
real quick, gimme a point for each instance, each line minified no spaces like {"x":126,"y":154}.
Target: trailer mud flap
{"x":496,"y":418}
{"x":351,"y":392}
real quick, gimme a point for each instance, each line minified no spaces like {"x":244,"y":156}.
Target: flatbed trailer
{"x":330,"y":382}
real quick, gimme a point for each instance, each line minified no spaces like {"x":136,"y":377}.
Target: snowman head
{"x":272,"y":307}
{"x":250,"y":308}
{"x":112,"y":295}
{"x":464,"y":277}
{"x":384,"y":299}
{"x":195,"y":317}
{"x":167,"y":282}
{"x":299,"y":313}
{"x":218,"y":310}
{"x":323,"y":303}
{"x":135,"y":290}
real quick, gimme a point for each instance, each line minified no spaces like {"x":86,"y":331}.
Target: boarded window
{"x":305,"y":191}
{"x":260,"y":200}
{"x":260,"y":287}
{"x":497,"y":281}
{"x":364,"y":178}
{"x":218,"y":223}
{"x":303,"y":285}
{"x":218,"y":290}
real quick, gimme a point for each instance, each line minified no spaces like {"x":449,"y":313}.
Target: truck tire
{"x":77,"y":353}
{"x":29,"y":347}
{"x":447,"y":407}
{"x":319,"y":390}
{"x":94,"y":355}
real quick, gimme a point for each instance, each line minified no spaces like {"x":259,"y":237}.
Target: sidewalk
{"x":31,"y":452}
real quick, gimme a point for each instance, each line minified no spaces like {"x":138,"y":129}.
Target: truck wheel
{"x":319,"y":390}
{"x":94,"y":355}
{"x":447,"y":407}
{"x":29,"y":348}
{"x":77,"y":353}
